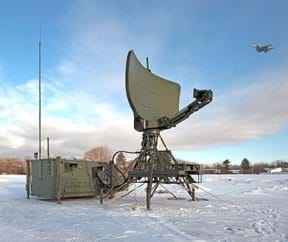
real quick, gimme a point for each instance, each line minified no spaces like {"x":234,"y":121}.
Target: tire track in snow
{"x":180,"y":235}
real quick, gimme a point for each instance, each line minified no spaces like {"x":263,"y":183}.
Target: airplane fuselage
{"x":264,"y":49}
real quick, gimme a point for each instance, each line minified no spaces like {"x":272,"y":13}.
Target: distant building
{"x":210,"y":171}
{"x":278,"y":170}
{"x":235,"y":171}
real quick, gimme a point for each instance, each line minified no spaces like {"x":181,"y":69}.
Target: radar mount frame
{"x":160,"y":167}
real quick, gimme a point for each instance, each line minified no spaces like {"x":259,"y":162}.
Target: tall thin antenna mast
{"x":40,"y":93}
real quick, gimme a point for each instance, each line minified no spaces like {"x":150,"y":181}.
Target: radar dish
{"x":150,"y":97}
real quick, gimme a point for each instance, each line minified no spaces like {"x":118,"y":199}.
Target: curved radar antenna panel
{"x":150,"y":96}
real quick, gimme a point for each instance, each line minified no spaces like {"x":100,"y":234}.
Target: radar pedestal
{"x":155,"y":104}
{"x":154,"y":167}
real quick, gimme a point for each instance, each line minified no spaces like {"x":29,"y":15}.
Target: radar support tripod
{"x":153,"y":166}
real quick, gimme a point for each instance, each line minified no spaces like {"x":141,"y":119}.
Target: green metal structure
{"x":57,"y":178}
{"x":155,"y":104}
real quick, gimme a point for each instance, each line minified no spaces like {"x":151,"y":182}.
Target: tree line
{"x":245,"y":167}
{"x":103,"y":153}
{"x":12,"y":166}
{"x":225,"y":167}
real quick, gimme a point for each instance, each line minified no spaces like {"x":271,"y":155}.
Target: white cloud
{"x":74,"y":122}
{"x":237,"y":115}
{"x":240,"y":114}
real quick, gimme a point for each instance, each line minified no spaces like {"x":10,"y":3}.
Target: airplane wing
{"x":268,"y":47}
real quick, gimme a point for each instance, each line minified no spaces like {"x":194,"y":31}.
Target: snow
{"x":234,"y":208}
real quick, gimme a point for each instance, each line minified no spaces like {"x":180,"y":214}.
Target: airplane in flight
{"x":263,"y":48}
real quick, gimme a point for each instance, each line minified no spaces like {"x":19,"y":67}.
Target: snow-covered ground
{"x":237,"y":208}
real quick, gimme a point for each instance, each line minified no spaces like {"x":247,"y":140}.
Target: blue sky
{"x":202,"y":44}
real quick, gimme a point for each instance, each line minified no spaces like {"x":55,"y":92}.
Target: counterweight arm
{"x":203,"y":97}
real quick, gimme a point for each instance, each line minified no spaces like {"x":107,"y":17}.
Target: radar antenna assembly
{"x":155,"y":104}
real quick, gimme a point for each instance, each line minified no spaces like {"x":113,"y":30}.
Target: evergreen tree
{"x":245,"y":165}
{"x":226,"y":166}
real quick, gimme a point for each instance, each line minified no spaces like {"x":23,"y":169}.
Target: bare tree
{"x":121,"y":161}
{"x":280,"y":163}
{"x":12,"y":166}
{"x":99,"y":153}
{"x":259,"y":167}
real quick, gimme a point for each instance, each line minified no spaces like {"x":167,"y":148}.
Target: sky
{"x":199,"y":44}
